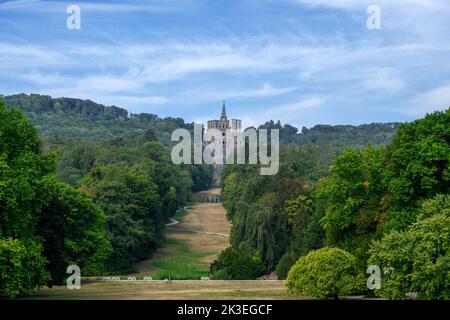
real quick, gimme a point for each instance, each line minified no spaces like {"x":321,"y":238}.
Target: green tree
{"x":327,"y":272}
{"x":415,"y":260}
{"x":43,"y":223}
{"x":130,"y":200}
{"x":299,"y":212}
{"x":262,"y":229}
{"x":23,"y":169}
{"x":353,"y":195}
{"x":257,"y":205}
{"x":73,"y":230}
{"x":417,"y":166}
{"x":235,"y":264}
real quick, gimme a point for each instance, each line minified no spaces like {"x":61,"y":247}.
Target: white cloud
{"x":194,"y":69}
{"x":346,"y":4}
{"x":172,"y":61}
{"x":123,"y":7}
{"x":383,"y":80}
{"x":137,"y":101}
{"x":181,"y":66}
{"x":44,"y":79}
{"x":22,"y":56}
{"x":108,"y":83}
{"x":413,"y":20}
{"x":291,"y":113}
{"x":429,"y":101}
{"x":265,"y":91}
{"x":209,"y":94}
{"x":355,"y":4}
{"x":16,"y":4}
{"x":291,"y":109}
{"x":107,"y":7}
{"x":123,"y":72}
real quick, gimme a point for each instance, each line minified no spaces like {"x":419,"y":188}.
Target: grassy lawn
{"x":187,"y":256}
{"x":180,"y":262}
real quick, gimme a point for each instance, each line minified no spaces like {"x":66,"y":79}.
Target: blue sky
{"x":303,"y":62}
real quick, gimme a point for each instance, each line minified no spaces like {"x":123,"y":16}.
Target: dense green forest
{"x":383,"y":205}
{"x":338,"y":136}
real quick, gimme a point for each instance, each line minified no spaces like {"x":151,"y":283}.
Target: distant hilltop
{"x":41,"y":103}
{"x":70,"y":118}
{"x":84,"y":119}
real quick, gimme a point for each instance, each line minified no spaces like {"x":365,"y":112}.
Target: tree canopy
{"x":34,"y":246}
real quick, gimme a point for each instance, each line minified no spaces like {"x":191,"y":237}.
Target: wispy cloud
{"x":287,"y":113}
{"x":265,"y":91}
{"x":383,"y":80}
{"x":288,"y":110}
{"x":123,"y":7}
{"x":288,"y":65}
{"x":355,"y":4}
{"x":16,"y":4}
{"x":106,"y":7}
{"x":128,"y":70}
{"x":429,"y":101}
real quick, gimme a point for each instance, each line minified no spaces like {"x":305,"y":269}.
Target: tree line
{"x":68,"y":118}
{"x":99,"y":205}
{"x":386,"y":205}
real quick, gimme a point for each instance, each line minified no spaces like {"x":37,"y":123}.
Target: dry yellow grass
{"x":206,"y":218}
{"x":173,"y":290}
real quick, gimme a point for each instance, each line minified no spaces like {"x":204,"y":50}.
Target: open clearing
{"x":191,"y":245}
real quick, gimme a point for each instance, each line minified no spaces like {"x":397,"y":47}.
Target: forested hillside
{"x":63,"y":118}
{"x":382,"y":205}
{"x":338,"y":136}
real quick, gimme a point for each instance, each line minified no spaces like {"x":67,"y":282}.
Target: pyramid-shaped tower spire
{"x":224,"y":112}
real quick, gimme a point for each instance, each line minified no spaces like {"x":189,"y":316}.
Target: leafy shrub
{"x":327,"y":272}
{"x":236,"y":264}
